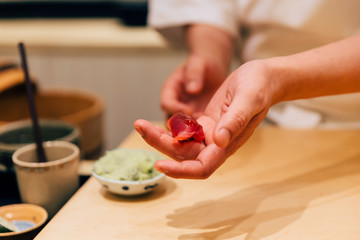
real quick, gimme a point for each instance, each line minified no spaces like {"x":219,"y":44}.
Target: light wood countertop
{"x":77,"y":33}
{"x":282,"y":184}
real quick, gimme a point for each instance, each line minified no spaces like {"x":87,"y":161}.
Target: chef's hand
{"x":243,"y":100}
{"x":236,"y":109}
{"x":190,"y":87}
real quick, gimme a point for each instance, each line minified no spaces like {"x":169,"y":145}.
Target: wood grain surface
{"x":282,"y":184}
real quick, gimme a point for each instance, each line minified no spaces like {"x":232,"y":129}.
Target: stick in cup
{"x":32,"y":106}
{"x":48,"y":184}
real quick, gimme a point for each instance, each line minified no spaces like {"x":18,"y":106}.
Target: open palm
{"x":239,"y":106}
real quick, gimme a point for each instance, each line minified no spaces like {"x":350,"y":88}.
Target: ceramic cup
{"x":20,"y":133}
{"x":48,"y":184}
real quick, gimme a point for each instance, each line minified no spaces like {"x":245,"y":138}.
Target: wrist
{"x":283,"y":79}
{"x":211,"y":43}
{"x":270,"y":77}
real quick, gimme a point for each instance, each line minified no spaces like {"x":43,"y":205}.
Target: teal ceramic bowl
{"x":19,"y":133}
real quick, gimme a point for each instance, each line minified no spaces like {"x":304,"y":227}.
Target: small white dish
{"x":129,"y":187}
{"x":127,"y":171}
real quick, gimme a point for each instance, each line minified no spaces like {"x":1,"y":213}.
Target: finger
{"x":237,"y":110}
{"x":160,"y":139}
{"x":202,"y":167}
{"x":194,"y":74}
{"x":240,"y":139}
{"x":172,"y":90}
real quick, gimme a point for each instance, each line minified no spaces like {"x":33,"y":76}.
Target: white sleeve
{"x":170,"y":16}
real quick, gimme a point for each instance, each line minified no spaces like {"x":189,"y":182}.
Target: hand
{"x":243,"y":100}
{"x":237,"y":108}
{"x":191,"y":86}
{"x":191,"y":159}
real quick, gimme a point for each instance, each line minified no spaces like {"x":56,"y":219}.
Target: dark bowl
{"x":20,"y":133}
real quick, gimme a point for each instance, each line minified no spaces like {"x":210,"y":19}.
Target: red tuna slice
{"x":184,"y":128}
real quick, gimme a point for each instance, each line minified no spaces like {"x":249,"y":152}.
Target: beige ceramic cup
{"x":48,"y":184}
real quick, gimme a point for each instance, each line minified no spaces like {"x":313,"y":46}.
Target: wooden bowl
{"x":81,"y":108}
{"x":28,"y":218}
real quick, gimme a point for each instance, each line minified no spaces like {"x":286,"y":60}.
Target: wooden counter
{"x":283,"y":184}
{"x":77,"y":33}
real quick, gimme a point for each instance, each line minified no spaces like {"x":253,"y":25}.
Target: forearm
{"x":328,"y":70}
{"x":211,"y":42}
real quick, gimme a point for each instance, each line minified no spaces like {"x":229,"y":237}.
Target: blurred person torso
{"x":268,"y":28}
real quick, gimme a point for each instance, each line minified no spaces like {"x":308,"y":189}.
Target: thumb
{"x":195,"y":74}
{"x":235,"y":117}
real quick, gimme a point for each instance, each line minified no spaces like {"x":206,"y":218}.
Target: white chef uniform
{"x":275,"y":28}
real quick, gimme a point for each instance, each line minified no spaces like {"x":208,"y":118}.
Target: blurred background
{"x":103,"y":47}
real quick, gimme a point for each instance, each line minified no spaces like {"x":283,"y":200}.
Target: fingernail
{"x":161,"y":170}
{"x":140,"y":131}
{"x":224,"y":136}
{"x":192,"y":86}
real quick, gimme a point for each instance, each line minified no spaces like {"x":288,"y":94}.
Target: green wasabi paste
{"x":127,"y":165}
